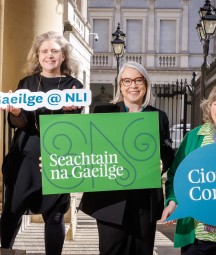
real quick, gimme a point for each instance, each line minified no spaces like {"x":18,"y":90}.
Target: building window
{"x":134,"y":35}
{"x":101,"y":27}
{"x":167,"y":36}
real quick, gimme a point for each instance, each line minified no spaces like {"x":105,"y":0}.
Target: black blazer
{"x":109,"y":206}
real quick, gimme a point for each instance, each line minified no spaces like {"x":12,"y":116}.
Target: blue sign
{"x":195,"y":186}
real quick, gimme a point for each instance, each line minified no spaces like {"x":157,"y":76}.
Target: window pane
{"x":101,"y":27}
{"x":168,"y":36}
{"x":134,"y":36}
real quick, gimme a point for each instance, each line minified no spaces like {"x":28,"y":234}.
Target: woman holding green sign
{"x":127,"y":219}
{"x":193,"y":236}
{"x":49,"y":66}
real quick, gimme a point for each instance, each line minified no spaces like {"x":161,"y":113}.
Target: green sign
{"x":98,"y":152}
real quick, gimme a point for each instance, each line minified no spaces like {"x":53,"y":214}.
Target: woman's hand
{"x":161,"y":166}
{"x":40,"y":164}
{"x":13,"y":110}
{"x":167,"y":212}
{"x":72,"y":107}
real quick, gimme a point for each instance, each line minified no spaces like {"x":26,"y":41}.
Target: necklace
{"x":39,"y":84}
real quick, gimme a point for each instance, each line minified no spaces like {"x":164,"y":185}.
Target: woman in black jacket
{"x":127,"y":219}
{"x":49,"y":66}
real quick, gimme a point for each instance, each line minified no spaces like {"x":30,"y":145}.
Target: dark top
{"x":110,"y":206}
{"x":21,"y":166}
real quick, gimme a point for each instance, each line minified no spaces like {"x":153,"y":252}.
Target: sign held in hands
{"x":195,"y":186}
{"x":53,"y":99}
{"x":98,"y":152}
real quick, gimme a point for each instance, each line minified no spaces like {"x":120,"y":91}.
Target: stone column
{"x":16,"y":38}
{"x":185,"y":26}
{"x":1,"y":38}
{"x":151,"y":27}
{"x":84,"y":9}
{"x":117,"y":14}
{"x":1,"y":64}
{"x":24,"y":20}
{"x":184,"y":58}
{"x":20,"y":22}
{"x":48,"y":15}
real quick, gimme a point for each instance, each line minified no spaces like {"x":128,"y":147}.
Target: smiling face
{"x":51,"y":58}
{"x":213,"y":111}
{"x":134,"y":93}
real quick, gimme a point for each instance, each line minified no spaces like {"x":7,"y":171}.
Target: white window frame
{"x":168,"y":14}
{"x":100,"y":13}
{"x":136,"y":14}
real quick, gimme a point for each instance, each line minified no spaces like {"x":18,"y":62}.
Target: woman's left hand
{"x":13,"y":110}
{"x":72,"y":107}
{"x":40,"y":164}
{"x":167,"y":212}
{"x":161,"y":166}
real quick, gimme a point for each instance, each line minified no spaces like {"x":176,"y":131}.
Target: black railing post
{"x":185,"y":109}
{"x":193,"y":81}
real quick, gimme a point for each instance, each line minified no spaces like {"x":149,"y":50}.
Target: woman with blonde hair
{"x":49,"y":66}
{"x":127,"y":219}
{"x":192,"y":236}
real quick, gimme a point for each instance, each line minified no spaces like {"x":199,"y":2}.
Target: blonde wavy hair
{"x":68,"y":67}
{"x":148,"y":98}
{"x":206,"y":106}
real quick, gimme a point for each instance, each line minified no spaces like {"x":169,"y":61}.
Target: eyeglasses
{"x":53,"y":52}
{"x":127,"y":81}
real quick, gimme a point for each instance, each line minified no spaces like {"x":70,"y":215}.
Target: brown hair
{"x":68,"y":67}
{"x":206,"y":106}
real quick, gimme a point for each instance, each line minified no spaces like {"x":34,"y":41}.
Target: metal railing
{"x":175,"y":100}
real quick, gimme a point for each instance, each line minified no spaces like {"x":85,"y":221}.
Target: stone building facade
{"x":20,"y":22}
{"x":160,"y":34}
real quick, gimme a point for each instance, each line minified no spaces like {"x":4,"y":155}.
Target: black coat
{"x":110,"y":206}
{"x":20,"y":168}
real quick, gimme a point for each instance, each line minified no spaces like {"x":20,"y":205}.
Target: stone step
{"x":31,"y":238}
{"x":86,"y":241}
{"x":11,"y":252}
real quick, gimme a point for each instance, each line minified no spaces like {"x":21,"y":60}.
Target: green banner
{"x":98,"y":152}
